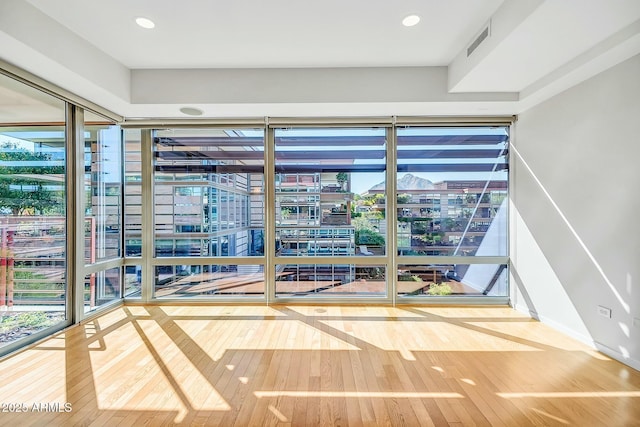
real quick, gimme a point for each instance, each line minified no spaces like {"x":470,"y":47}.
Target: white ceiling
{"x":253,"y":58}
{"x":275,"y":33}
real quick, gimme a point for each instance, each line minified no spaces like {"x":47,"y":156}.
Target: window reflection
{"x":33,"y":232}
{"x":183,"y":281}
{"x":323,"y":181}
{"x":103,"y":181}
{"x":452,"y":189}
{"x":326,"y":280}
{"x":209,"y":192}
{"x":452,"y":280}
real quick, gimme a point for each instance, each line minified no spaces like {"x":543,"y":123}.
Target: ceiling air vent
{"x":481,"y":37}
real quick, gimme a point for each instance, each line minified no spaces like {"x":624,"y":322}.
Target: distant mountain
{"x":408,"y":182}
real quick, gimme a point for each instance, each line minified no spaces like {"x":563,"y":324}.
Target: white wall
{"x":33,"y":41}
{"x":575,"y":211}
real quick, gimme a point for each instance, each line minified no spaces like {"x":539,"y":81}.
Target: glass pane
{"x":209,"y":192}
{"x":132,"y":280}
{"x":180,"y":281}
{"x":101,"y":288}
{"x":103,"y":182}
{"x":452,"y":191}
{"x":133,"y":193}
{"x":32,"y":211}
{"x":324,"y":204}
{"x":324,"y":241}
{"x":330,"y":280}
{"x":453,"y":279}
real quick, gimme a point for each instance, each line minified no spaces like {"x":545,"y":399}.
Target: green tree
{"x":421,"y":227}
{"x":439,"y":289}
{"x":450,"y":224}
{"x":403,"y":199}
{"x":285,"y":213}
{"x":26,"y":182}
{"x":342,"y":179}
{"x":373,"y":199}
{"x":365,"y":234}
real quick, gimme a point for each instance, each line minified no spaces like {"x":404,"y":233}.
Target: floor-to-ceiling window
{"x":393,"y":212}
{"x":33,"y":231}
{"x":103,"y":211}
{"x":208,"y":212}
{"x":61,"y":209}
{"x":132,"y":213}
{"x":330,"y":212}
{"x":319,"y":222}
{"x":452,"y":211}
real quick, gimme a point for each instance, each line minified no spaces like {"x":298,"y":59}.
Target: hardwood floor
{"x":316,"y":366}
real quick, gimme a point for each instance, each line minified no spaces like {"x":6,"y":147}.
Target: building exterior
{"x":450,"y":218}
{"x":313,"y":215}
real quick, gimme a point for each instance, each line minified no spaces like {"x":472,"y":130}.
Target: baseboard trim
{"x":632,"y":363}
{"x":629,"y":361}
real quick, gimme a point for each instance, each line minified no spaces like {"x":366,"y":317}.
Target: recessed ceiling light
{"x":411,"y":20}
{"x":191,"y":111}
{"x":145,"y":23}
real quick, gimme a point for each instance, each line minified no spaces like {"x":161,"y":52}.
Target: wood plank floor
{"x":315,"y":366}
